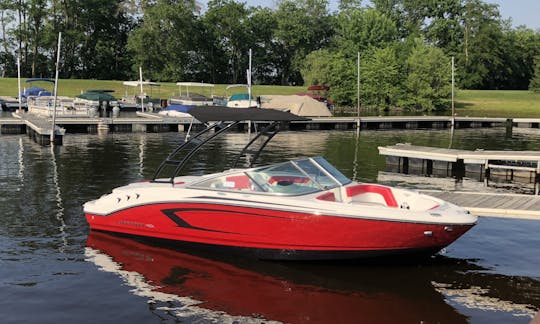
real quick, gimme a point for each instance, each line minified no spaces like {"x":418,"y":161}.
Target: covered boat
{"x":138,"y":99}
{"x":240,"y":100}
{"x":296,"y":104}
{"x":97,"y":102}
{"x":304,"y":209}
{"x":186,"y":99}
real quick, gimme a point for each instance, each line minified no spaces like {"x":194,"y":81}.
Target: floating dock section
{"x":493,"y":204}
{"x":512,"y":165}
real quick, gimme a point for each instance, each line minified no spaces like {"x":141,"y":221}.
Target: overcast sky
{"x":522,"y":12}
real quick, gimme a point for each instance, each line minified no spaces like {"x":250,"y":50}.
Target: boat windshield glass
{"x":297,"y":177}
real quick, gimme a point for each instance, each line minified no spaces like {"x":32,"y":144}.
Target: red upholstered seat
{"x":385,"y":192}
{"x":329,"y":196}
{"x":291,"y":179}
{"x":240,"y":182}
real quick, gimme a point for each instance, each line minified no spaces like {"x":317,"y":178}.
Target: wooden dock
{"x":512,"y":165}
{"x":493,"y":204}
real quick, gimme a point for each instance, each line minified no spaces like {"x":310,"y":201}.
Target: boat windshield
{"x":298,"y":177}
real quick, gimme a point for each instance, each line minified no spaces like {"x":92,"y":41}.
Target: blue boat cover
{"x":35,"y":91}
{"x":179,"y":108}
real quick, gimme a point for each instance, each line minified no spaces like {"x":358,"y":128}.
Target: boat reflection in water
{"x":189,"y":285}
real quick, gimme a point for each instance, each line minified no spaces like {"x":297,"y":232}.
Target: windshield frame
{"x":288,"y":178}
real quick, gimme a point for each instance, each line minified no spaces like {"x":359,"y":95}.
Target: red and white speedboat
{"x":301,"y":209}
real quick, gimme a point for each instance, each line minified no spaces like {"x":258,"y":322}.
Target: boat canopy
{"x":97,"y":95}
{"x":219,"y":113}
{"x":39,"y":79}
{"x":224,"y":119}
{"x":236,"y":86}
{"x":138,"y":83}
{"x":194,"y":84}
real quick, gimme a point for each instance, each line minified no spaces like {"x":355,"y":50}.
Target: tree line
{"x":405,"y":46}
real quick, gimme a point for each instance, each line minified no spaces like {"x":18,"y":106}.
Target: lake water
{"x":52,"y":270}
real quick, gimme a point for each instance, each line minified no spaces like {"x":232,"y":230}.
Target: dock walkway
{"x":493,"y":204}
{"x":510,"y":164}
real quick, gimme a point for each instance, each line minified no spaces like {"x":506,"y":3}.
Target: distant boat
{"x":187,"y":99}
{"x":319,"y":93}
{"x":97,"y":102}
{"x":44,"y":103}
{"x":12,"y":104}
{"x":132,"y":102}
{"x":176,"y":111}
{"x":298,"y":105}
{"x":240,"y":100}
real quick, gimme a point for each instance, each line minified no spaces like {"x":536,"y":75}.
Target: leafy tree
{"x":407,"y":15}
{"x":261,"y":25}
{"x":380,"y":78}
{"x":517,"y":49}
{"x":535,"y":81}
{"x":481,"y":45}
{"x":228,"y":20}
{"x":105,"y":27}
{"x":37,"y":15}
{"x":360,"y":29}
{"x":332,"y":68}
{"x":428,"y":82}
{"x":7,"y":59}
{"x":161,"y":43}
{"x":444,"y":27}
{"x":302,"y":27}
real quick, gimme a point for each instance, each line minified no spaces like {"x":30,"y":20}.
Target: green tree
{"x":380,"y":78}
{"x":535,"y":81}
{"x":302,"y":27}
{"x":161,"y":44}
{"x":261,"y":25}
{"x":360,"y":29}
{"x":428,"y":82}
{"x":443,"y":28}
{"x":480,"y":54}
{"x":517,"y":49}
{"x":7,"y":59}
{"x":335,"y":69}
{"x":228,"y":21}
{"x":105,"y":27}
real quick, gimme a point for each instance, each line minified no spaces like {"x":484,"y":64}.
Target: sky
{"x":522,"y":12}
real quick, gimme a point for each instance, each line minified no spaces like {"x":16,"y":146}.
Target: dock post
{"x":509,"y":125}
{"x":429,"y":167}
{"x":405,"y":165}
{"x":537,"y":178}
{"x":487,"y":173}
{"x":458,"y":169}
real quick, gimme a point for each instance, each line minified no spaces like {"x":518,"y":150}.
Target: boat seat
{"x":385,"y":192}
{"x":290,"y":179}
{"x":329,"y":196}
{"x":239,"y":182}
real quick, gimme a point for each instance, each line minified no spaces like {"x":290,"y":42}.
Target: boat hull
{"x":278,"y":234}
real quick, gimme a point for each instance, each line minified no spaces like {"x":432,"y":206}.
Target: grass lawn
{"x":73,"y":87}
{"x":478,"y":103}
{"x":497,"y":103}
